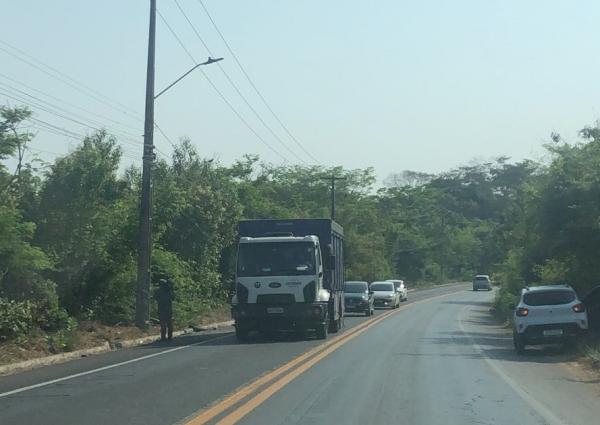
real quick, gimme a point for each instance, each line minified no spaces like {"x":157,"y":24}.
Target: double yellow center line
{"x":280,"y":377}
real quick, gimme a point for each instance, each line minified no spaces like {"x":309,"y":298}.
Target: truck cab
{"x":284,"y":279}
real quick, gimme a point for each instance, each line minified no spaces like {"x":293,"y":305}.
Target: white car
{"x":385,"y":294}
{"x":482,"y":281}
{"x":400,"y":288}
{"x":548,"y":314}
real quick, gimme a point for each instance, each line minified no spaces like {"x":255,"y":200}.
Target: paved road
{"x":438,"y":359}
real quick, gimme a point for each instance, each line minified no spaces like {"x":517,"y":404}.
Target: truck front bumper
{"x":298,"y":315}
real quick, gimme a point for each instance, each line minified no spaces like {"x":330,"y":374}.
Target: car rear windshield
{"x":355,"y":287}
{"x":382,"y":287}
{"x":552,"y":297}
{"x":481,"y":278}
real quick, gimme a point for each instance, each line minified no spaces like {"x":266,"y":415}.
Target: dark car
{"x":357,"y":297}
{"x":592,"y":305}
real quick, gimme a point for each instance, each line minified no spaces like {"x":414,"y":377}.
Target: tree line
{"x":69,"y":227}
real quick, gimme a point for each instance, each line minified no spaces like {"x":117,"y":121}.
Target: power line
{"x":52,"y":128}
{"x":237,"y":61}
{"x":77,"y":120}
{"x":63,"y":80}
{"x":60,"y":131}
{"x":240,"y":117}
{"x":120,"y":105}
{"x":122,"y":133}
{"x":57,"y":99}
{"x":235,"y":87}
{"x":72,"y":82}
{"x":97,"y":126}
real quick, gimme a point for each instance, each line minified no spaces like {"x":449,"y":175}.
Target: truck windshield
{"x":276,"y":259}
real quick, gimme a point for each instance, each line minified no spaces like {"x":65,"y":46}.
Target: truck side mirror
{"x":331,"y":262}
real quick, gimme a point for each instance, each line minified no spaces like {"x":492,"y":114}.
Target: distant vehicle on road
{"x":592,"y":306}
{"x":400,"y":288}
{"x":548,"y":314}
{"x":482,"y":281}
{"x":385,"y":294}
{"x":358,"y":298}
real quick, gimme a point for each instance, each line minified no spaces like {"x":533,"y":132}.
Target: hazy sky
{"x":425,"y":85}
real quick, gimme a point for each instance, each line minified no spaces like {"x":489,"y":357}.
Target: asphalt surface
{"x":440,"y":358}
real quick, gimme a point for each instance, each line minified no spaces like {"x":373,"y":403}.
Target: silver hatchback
{"x":482,"y":281}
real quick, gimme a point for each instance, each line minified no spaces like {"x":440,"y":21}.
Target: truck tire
{"x":335,"y":326}
{"x":322,"y":331}
{"x":241,"y":333}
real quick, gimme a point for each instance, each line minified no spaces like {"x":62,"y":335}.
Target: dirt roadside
{"x":90,"y":335}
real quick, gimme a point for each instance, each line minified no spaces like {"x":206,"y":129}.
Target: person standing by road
{"x":164,"y":298}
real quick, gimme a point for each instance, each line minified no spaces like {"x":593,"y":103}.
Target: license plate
{"x":274,"y":310}
{"x":553,"y":332}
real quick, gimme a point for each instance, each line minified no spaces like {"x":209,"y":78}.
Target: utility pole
{"x":333,"y":179}
{"x":142,"y":305}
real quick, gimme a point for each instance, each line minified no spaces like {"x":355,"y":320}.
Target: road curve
{"x":438,"y":359}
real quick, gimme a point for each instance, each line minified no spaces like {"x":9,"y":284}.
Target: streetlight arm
{"x":208,"y":62}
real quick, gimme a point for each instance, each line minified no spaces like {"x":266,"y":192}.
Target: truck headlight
{"x":323,"y":295}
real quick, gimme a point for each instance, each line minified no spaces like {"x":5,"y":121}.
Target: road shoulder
{"x":552,"y":380}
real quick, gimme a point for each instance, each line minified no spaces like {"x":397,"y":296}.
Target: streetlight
{"x":142,"y":304}
{"x":208,"y":62}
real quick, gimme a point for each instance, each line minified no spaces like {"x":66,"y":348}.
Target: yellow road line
{"x":262,"y":396}
{"x":236,"y":396}
{"x":319,"y":352}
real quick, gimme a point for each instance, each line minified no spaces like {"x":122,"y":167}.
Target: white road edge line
{"x":100,"y":369}
{"x":536,"y":405}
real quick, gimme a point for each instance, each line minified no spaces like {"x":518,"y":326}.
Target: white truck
{"x":289,"y":275}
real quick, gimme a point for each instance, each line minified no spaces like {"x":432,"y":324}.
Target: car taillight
{"x":579,"y":308}
{"x":522,"y":311}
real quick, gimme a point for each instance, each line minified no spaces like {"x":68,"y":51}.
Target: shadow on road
{"x":476,"y":303}
{"x":228,"y":339}
{"x":493,"y":339}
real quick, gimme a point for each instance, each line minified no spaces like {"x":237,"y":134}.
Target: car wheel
{"x":519,"y":343}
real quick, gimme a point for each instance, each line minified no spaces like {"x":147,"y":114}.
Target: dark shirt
{"x":164,"y":297}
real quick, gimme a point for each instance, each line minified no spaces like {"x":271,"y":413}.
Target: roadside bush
{"x":16,"y":318}
{"x":64,"y":339}
{"x":504,"y":304}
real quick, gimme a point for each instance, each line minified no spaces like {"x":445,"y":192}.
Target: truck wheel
{"x":241,"y":333}
{"x":322,"y":331}
{"x":335,"y":326}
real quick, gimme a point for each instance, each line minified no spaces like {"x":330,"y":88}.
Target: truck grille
{"x":275,"y":299}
